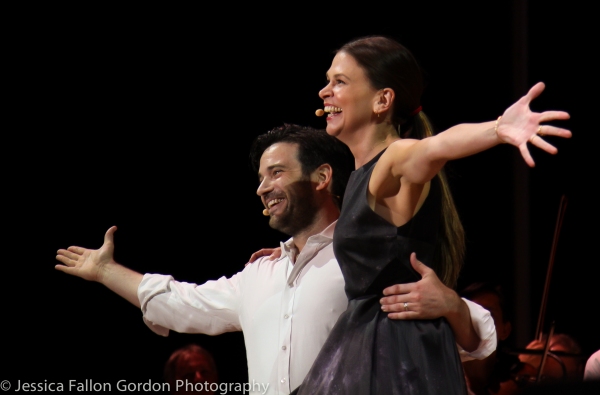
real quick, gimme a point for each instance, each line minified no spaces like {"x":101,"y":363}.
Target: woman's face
{"x":348,"y":97}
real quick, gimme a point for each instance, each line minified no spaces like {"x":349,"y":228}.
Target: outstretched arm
{"x":99,"y":265}
{"x":429,"y":298}
{"x":419,"y":161}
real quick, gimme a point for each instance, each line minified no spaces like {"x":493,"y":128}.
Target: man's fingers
{"x":61,"y":267}
{"x":109,"y":236}
{"x":398,"y":289}
{"x":419,"y":266}
{"x":76,"y":250}
{"x":74,"y":255}
{"x":65,"y":260}
{"x":405,"y":315}
{"x":398,"y":307}
{"x":390,"y":300}
{"x":67,"y":269}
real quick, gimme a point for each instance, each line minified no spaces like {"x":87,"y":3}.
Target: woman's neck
{"x":367,"y":143}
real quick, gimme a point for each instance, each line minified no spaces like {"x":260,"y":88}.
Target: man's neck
{"x":319,"y":226}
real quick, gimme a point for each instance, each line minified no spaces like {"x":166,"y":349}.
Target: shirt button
{"x":286,"y":316}
{"x":283,"y":380}
{"x":284,"y":348}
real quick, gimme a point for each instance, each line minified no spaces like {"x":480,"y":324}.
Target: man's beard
{"x":300,"y":212}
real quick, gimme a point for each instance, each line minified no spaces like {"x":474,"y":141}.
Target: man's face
{"x":196,"y":371}
{"x":289,"y":196}
{"x":491,"y":303}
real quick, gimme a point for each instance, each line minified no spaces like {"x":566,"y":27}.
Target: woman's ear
{"x":385,"y":99}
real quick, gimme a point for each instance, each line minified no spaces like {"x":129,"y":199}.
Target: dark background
{"x":143,"y":118}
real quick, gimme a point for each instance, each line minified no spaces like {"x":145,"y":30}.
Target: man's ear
{"x":322,"y":176}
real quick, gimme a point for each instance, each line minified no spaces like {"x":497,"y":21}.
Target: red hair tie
{"x":416,"y":111}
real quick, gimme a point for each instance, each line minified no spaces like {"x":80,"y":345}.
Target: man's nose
{"x":263,"y":187}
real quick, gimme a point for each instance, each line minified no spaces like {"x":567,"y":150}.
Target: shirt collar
{"x":289,"y":250}
{"x":314,"y":244}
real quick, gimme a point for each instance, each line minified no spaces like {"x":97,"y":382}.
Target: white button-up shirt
{"x":285,"y":309}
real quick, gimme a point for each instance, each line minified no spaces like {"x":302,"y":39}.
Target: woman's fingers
{"x":271,"y":252}
{"x":535,"y":91}
{"x":526,"y":155}
{"x":539,"y":141}
{"x":548,"y":116}
{"x":543,"y":144}
{"x":550,"y":130}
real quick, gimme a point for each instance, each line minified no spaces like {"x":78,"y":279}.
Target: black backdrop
{"x":143,"y":119}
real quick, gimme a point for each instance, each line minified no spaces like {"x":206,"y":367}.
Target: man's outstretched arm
{"x":166,"y":304}
{"x":99,"y":265}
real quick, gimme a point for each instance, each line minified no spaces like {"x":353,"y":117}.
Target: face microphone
{"x":266,"y":212}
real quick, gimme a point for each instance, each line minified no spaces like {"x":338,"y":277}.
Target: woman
{"x":397,"y":203}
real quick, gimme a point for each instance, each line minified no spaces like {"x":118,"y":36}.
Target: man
{"x":488,"y":375}
{"x":286,"y":307}
{"x":191,"y":370}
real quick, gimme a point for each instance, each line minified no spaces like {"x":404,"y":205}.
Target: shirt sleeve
{"x":592,"y":367}
{"x":210,"y":308}
{"x":484,"y":326}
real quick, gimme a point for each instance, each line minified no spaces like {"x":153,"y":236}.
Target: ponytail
{"x":450,"y":251}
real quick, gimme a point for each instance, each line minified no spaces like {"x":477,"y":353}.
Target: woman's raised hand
{"x":519,"y":125}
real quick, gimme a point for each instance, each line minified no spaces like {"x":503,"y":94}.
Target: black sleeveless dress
{"x":367,"y":352}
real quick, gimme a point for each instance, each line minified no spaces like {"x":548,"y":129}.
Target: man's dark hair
{"x":315,"y":148}
{"x":184,"y":353}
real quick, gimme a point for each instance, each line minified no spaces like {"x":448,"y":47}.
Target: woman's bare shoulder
{"x":398,"y":150}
